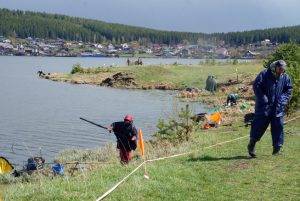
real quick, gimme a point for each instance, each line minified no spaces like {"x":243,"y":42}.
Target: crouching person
{"x":272,"y":88}
{"x":126,"y":135}
{"x":232,"y":99}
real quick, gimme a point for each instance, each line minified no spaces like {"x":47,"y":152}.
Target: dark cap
{"x":279,"y":63}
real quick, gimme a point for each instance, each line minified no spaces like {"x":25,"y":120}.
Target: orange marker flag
{"x":141,"y":143}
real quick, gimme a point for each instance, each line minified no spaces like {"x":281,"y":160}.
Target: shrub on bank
{"x":177,"y":129}
{"x":77,"y":69}
{"x":290,"y":53}
{"x":235,"y":62}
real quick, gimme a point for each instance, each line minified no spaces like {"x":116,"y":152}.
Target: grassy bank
{"x":220,"y":173}
{"x":161,"y":76}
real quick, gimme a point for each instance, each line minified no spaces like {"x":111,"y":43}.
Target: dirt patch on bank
{"x":120,"y":80}
{"x":127,"y":80}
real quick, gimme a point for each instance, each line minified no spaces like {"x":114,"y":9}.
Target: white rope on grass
{"x":157,"y":159}
{"x":191,"y":152}
{"x":120,"y":182}
{"x":291,"y":119}
{"x":173,"y":156}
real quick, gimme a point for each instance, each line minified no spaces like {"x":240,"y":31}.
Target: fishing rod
{"x":103,"y":128}
{"x":93,"y":123}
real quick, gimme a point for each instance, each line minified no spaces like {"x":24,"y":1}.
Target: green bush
{"x":77,"y":69}
{"x":235,"y":62}
{"x":177,"y":129}
{"x":290,"y":53}
{"x":210,"y":62}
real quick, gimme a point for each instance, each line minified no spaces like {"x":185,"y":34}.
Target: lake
{"x":38,"y":115}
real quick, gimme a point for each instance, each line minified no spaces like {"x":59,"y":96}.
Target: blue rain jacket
{"x":272,"y":94}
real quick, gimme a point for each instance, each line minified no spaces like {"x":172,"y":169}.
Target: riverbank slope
{"x":222,"y":172}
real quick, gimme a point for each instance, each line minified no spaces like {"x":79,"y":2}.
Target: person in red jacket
{"x":126,"y":135}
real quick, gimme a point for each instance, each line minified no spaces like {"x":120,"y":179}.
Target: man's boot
{"x":276,"y":151}
{"x":251,"y":148}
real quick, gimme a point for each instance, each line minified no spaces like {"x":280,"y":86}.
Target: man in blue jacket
{"x":273,"y":89}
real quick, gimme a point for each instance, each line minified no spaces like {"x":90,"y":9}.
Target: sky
{"x":177,"y":15}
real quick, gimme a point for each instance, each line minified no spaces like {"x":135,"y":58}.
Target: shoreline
{"x":171,"y":77}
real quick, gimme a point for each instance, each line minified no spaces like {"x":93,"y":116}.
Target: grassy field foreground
{"x":221,"y":173}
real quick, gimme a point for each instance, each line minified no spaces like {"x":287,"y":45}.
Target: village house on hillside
{"x":250,"y":55}
{"x":59,"y":47}
{"x":222,"y":53}
{"x":266,"y":42}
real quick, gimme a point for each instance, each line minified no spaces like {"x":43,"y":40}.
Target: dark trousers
{"x":260,"y":125}
{"x":125,"y":156}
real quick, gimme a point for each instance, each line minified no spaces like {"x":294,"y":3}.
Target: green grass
{"x":181,"y":76}
{"x":175,"y":76}
{"x":220,"y":173}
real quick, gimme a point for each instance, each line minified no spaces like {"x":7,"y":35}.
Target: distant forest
{"x":51,"y":26}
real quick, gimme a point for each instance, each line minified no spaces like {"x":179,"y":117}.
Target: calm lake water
{"x":38,"y":114}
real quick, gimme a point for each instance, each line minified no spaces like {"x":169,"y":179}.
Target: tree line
{"x":23,"y":24}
